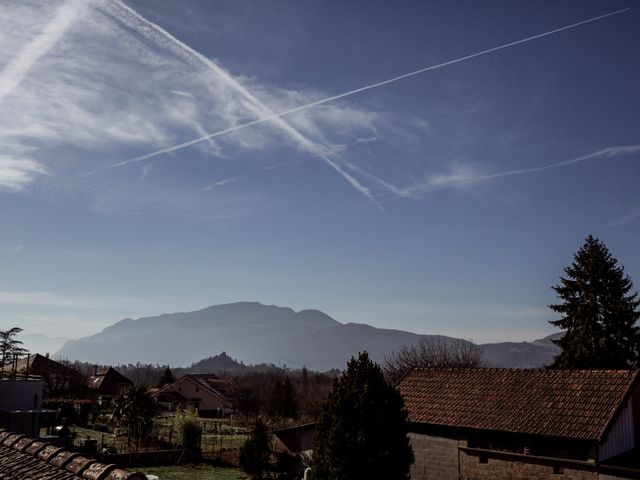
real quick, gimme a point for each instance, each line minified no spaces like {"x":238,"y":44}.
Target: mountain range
{"x":255,"y":333}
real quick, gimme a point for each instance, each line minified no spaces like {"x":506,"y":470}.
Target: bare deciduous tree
{"x":432,"y":352}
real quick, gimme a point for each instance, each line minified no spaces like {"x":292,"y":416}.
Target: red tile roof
{"x":578,"y":404}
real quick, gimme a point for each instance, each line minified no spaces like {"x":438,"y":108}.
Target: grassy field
{"x":194,"y":472}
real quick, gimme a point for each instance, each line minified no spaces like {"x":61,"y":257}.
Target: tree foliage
{"x":283,"y":402}
{"x":166,"y":378}
{"x":598,"y":312}
{"x":255,"y":454}
{"x":10,"y":348}
{"x":134,"y":409}
{"x":362,"y":430}
{"x":188,"y":425}
{"x":432,"y":352}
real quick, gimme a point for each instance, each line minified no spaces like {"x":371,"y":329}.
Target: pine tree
{"x":255,"y":454}
{"x":362,"y":431}
{"x":598,"y":311}
{"x":166,"y":378}
{"x":283,"y":401}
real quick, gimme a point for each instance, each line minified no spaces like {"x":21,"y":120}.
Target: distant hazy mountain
{"x":256,"y":333}
{"x":522,"y":354}
{"x":39,"y":343}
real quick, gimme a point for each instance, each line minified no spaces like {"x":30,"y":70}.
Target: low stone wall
{"x":436,"y":458}
{"x":498,"y":465}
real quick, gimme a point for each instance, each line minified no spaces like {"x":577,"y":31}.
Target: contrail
{"x":226,"y":181}
{"x":17,"y":68}
{"x":278,"y":116}
{"x":255,"y":105}
{"x":418,"y":191}
{"x":608,"y":152}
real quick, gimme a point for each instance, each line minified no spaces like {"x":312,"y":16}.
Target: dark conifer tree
{"x":599,"y":312}
{"x":255,"y":454}
{"x":166,"y":378}
{"x":362,"y":431}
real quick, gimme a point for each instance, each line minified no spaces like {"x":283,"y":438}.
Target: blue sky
{"x":145,"y":166}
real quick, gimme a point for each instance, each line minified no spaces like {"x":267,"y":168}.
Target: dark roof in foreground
{"x":23,"y":458}
{"x":40,"y":364}
{"x":579,"y":404}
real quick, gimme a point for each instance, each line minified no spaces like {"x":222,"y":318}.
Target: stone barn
{"x":491,"y":424}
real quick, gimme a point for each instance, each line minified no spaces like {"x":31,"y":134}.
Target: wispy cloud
{"x":277,"y":117}
{"x":462,"y":175}
{"x":70,"y":106}
{"x":627,"y":219}
{"x":14,"y":72}
{"x":258,"y":108}
{"x":76,"y":105}
{"x":17,"y":173}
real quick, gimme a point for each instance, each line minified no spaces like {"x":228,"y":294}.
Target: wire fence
{"x":215,"y":437}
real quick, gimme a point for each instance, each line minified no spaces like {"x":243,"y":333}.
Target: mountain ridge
{"x":255,"y":333}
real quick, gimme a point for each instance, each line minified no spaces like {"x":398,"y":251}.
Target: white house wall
{"x":621,"y":437}
{"x":191,"y":390}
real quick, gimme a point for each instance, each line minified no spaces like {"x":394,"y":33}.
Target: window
{"x":558,"y":469}
{"x":484,"y":458}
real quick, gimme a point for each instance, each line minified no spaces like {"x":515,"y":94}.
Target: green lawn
{"x":194,"y":472}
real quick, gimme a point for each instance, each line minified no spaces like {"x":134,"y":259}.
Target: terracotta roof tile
{"x":561,"y":403}
{"x":22,"y":458}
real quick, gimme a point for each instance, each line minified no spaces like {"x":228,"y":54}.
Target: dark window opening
{"x":484,"y":458}
{"x":558,"y":469}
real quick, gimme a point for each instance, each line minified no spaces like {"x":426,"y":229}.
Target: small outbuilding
{"x":497,"y":424}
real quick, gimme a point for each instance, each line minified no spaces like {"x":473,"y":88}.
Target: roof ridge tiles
{"x":36,"y":456}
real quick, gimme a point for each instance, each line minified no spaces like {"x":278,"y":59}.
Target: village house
{"x":493,"y":424}
{"x":208,"y":394}
{"x":59,"y":379}
{"x":107,"y":382}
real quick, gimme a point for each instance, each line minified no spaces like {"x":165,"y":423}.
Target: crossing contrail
{"x":277,"y":117}
{"x":253,"y":103}
{"x":16,"y":69}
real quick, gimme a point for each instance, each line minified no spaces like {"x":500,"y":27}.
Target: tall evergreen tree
{"x":598,"y":311}
{"x":255,"y":455}
{"x":166,"y":378}
{"x":362,"y":431}
{"x":283,"y":401}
